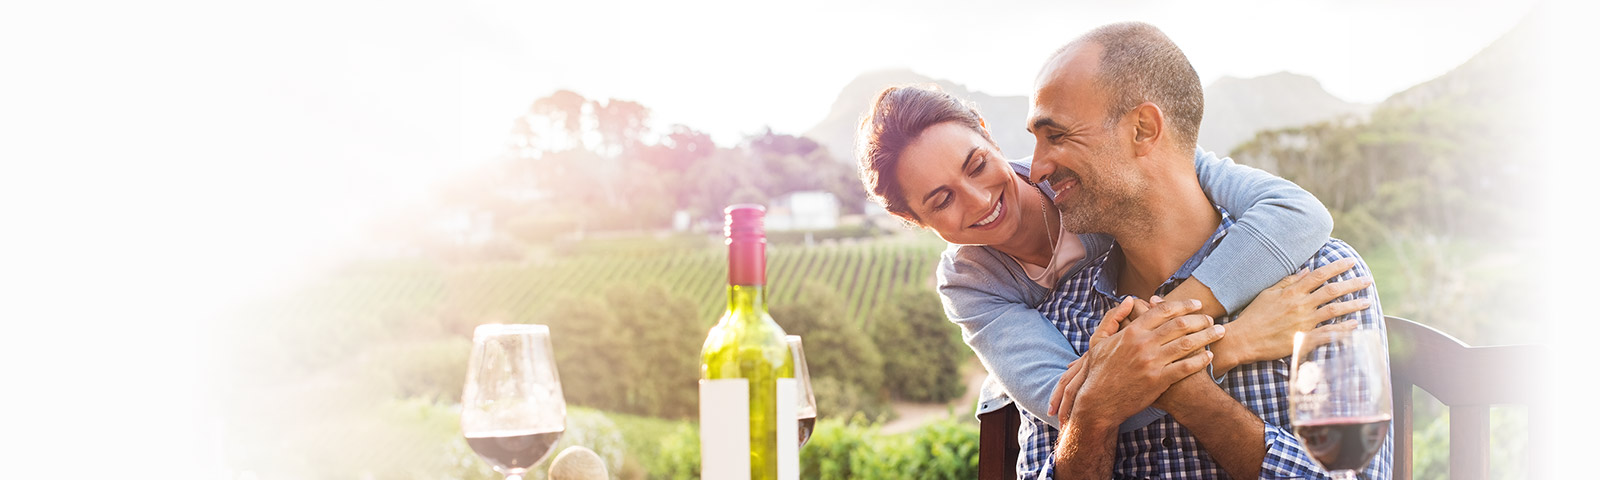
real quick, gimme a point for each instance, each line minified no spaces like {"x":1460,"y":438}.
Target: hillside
{"x":1502,"y":76}
{"x":1238,"y":108}
{"x":1235,"y":110}
{"x":837,"y":131}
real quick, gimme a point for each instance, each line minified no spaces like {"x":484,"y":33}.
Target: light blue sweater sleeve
{"x":989,"y":296}
{"x":1278,"y":226}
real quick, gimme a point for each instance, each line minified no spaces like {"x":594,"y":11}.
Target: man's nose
{"x":1041,"y":168}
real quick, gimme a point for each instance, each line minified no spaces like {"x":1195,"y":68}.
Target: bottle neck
{"x":747,"y":267}
{"x":744,"y":299}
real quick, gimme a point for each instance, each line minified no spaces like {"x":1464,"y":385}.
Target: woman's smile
{"x":991,"y":221}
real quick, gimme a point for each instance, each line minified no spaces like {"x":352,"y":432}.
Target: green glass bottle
{"x":748,"y":421}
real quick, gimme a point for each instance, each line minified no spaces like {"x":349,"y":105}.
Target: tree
{"x":621,"y":125}
{"x":844,"y":364}
{"x":922,"y":352}
{"x":794,"y":163}
{"x":562,"y":110}
{"x":629,"y":349}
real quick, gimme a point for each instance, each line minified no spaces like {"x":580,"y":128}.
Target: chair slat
{"x":1402,"y":426}
{"x":1469,"y":442}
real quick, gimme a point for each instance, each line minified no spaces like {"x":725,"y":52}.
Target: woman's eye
{"x":979,"y":169}
{"x":942,"y":203}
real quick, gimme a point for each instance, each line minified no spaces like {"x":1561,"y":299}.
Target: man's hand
{"x":1127,"y":370}
{"x":1066,"y":390}
{"x":1185,"y":389}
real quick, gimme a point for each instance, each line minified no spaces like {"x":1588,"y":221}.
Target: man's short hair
{"x":1140,"y":64}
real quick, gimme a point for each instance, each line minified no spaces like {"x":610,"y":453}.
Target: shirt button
{"x":1166,"y":442}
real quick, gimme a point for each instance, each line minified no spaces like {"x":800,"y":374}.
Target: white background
{"x":164,"y":161}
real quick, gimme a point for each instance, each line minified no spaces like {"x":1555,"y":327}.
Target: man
{"x":1116,"y":114}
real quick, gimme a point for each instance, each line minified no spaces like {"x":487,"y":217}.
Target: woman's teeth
{"x":992,"y":216}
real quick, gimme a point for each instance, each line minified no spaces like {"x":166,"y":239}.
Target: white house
{"x":810,"y":210}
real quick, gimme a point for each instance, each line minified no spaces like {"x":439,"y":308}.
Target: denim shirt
{"x":985,"y":292}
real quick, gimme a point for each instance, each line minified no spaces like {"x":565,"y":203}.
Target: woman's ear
{"x":909,"y":218}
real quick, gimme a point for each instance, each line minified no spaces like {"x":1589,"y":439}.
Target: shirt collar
{"x":1110,"y":271}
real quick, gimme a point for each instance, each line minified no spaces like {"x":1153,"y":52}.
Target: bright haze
{"x":167,"y":160}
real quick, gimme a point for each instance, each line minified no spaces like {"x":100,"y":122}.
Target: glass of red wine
{"x":1339,"y":397}
{"x":808,"y":401}
{"x":512,"y":410}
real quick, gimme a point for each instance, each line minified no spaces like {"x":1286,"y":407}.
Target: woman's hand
{"x":1265,"y":329}
{"x":1066,"y":391}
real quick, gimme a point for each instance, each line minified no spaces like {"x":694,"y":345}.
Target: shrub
{"x":632,"y":349}
{"x":922,"y":351}
{"x":846,"y":368}
{"x":947,"y":449}
{"x":434,"y":370}
{"x":843,"y":400}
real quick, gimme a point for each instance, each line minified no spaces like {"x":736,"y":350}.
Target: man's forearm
{"x":1234,"y":436}
{"x":1086,"y":450}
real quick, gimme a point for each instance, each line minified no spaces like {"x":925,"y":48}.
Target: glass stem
{"x":513,"y":477}
{"x":1344,"y":474}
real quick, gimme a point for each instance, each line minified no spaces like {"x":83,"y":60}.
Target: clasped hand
{"x":1128,"y":367}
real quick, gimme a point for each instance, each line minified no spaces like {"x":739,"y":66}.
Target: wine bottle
{"x":748,"y":427}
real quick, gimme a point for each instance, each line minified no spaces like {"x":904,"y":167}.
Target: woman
{"x":928,"y":158}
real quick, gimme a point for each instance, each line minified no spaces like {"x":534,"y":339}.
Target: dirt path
{"x":910,"y":415}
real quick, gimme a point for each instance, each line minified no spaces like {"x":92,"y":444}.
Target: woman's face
{"x":959,"y":185}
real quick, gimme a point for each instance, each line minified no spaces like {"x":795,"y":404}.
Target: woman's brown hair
{"x":897,"y":117}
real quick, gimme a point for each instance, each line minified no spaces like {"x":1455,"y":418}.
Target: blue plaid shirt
{"x":1164,"y":449}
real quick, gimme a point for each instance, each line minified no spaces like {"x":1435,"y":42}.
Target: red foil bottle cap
{"x":747,"y":244}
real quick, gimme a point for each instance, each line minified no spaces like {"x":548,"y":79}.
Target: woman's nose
{"x":975,"y":193}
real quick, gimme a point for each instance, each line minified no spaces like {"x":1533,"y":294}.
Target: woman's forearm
{"x":1226,"y":354}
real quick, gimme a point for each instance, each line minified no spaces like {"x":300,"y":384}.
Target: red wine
{"x":514,"y":450}
{"x":1343,"y":443}
{"x":806,"y":424}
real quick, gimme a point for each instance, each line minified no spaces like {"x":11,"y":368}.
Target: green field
{"x":864,"y":273}
{"x":306,"y":365}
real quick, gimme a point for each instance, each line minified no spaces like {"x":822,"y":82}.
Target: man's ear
{"x":1150,"y":125}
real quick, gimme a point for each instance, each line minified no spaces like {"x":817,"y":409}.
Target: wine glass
{"x":807,"y":413}
{"x":1339,"y":398}
{"x":512,"y":411}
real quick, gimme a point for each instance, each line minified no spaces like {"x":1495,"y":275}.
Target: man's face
{"x":1088,"y":163}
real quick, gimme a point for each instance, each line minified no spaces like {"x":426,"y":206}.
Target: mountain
{"x":1238,"y":108}
{"x":1004,"y":114}
{"x":1502,"y":76}
{"x":1235,"y":110}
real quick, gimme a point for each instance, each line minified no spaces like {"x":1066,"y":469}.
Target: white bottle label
{"x":725,"y":429}
{"x":788,"y":429}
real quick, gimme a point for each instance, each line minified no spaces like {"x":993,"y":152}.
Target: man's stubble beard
{"x":1109,"y":204}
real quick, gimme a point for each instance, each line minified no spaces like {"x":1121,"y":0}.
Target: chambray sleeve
{"x":1277,"y":227}
{"x":1286,"y":457}
{"x":1022,"y":349}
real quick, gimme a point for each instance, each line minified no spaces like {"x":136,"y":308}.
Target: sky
{"x":165,"y":162}
{"x":732,"y":73}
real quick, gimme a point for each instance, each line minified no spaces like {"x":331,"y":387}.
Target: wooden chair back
{"x":1464,"y":378}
